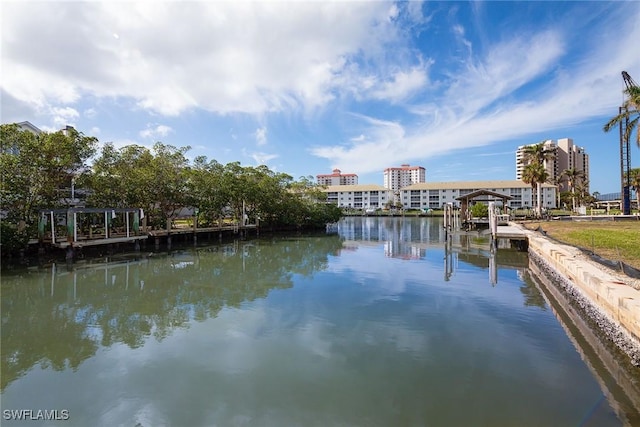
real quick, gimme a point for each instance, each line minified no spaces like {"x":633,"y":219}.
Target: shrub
{"x":480,"y":210}
{"x":12,"y":240}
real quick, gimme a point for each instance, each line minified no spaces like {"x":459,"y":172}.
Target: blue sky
{"x":305,"y":87}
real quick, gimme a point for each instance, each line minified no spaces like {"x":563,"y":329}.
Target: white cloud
{"x":155,"y":131}
{"x":60,"y":118}
{"x":484,"y":104}
{"x":250,"y":57}
{"x":507,"y":67}
{"x":262,"y":158}
{"x":90,"y":113}
{"x":261,"y":135}
{"x":401,"y":85}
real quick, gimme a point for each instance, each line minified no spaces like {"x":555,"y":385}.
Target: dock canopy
{"x":90,"y":226}
{"x":481,"y":196}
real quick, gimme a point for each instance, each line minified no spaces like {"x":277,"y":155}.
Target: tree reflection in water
{"x":61,"y":319}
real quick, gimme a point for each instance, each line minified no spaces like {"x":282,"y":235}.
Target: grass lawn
{"x":609,"y":239}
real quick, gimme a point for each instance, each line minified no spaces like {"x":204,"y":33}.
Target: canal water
{"x":383,"y":323}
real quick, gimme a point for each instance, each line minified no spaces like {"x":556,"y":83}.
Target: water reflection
{"x":382,"y":324}
{"x":618,"y":379}
{"x":411,"y":239}
{"x":68,"y":314}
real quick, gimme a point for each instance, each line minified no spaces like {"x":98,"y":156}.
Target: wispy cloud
{"x":61,"y":117}
{"x":261,"y":136}
{"x":262,"y":158}
{"x":154,"y":131}
{"x":491,"y":99}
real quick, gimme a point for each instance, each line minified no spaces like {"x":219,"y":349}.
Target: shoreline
{"x":610,"y":299}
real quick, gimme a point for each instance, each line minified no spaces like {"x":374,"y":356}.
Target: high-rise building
{"x":567,"y":156}
{"x":337,"y":178}
{"x":396,"y":178}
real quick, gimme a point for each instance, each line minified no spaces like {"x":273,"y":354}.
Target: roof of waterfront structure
{"x":470,"y":185}
{"x":355,"y":187}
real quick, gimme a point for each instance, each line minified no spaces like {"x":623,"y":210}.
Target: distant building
{"x":29,"y":127}
{"x":397,"y":178}
{"x":434,"y":195}
{"x":363,"y":196}
{"x":23,"y":126}
{"x":337,"y":178}
{"x":567,"y":156}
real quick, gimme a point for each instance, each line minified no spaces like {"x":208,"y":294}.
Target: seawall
{"x":606,"y":296}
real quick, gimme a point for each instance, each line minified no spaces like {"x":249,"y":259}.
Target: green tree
{"x":479,"y":210}
{"x":121,"y":178}
{"x":629,"y":115}
{"x":535,"y":174}
{"x":134,"y":176}
{"x":635,"y":183}
{"x":538,"y":153}
{"x":582,"y":193}
{"x":169,"y":177}
{"x":206,"y":190}
{"x":575,"y":178}
{"x":557,"y":182}
{"x":534,"y":158}
{"x":37,"y":169}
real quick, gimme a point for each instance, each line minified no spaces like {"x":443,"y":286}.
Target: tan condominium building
{"x":397,"y":178}
{"x":567,"y":156}
{"x":337,"y":178}
{"x":434,"y":195}
{"x":362,"y":196}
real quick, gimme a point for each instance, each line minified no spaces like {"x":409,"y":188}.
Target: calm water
{"x":380,"y":325}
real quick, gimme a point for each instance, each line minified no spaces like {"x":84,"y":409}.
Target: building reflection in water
{"x":411,"y":238}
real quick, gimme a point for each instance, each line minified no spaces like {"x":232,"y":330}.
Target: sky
{"x":305,"y":87}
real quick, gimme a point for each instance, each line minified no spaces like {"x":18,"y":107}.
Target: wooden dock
{"x":511,"y":232}
{"x":201,"y":230}
{"x":96,"y":242}
{"x":81,"y":227}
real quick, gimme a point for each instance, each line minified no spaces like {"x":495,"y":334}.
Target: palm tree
{"x":583,"y":196}
{"x":557,"y":182}
{"x":539,"y":153}
{"x":534,"y":158}
{"x":535,"y":174}
{"x":635,"y":183}
{"x":573,"y":176}
{"x":629,"y":115}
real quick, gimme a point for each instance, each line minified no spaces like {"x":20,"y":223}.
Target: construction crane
{"x":625,"y":149}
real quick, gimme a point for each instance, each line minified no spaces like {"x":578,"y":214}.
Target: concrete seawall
{"x":606,"y":296}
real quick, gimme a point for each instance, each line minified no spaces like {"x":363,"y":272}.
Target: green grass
{"x":611,"y":240}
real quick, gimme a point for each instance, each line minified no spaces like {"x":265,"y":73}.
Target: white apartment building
{"x":571,"y":156}
{"x":24,"y":127}
{"x":397,"y":178}
{"x":433,"y":195}
{"x":362,"y":196}
{"x":28,"y":126}
{"x":567,"y":156}
{"x":337,"y":178}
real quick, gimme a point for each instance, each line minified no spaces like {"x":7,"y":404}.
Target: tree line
{"x":41,"y":171}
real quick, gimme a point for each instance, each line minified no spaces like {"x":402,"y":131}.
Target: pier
{"x":83,"y":227}
{"x":79,"y":227}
